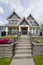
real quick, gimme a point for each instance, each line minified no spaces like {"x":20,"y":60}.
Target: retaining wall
{"x":37,"y":49}
{"x":6,"y":50}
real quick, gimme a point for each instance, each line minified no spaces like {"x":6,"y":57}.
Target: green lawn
{"x":38,"y":60}
{"x":9,"y":36}
{"x":37,"y":36}
{"x":39,"y":41}
{"x":5,"y":61}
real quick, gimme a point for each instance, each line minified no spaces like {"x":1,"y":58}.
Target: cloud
{"x":1,"y":10}
{"x":35,"y":7}
{"x":14,"y":5}
{"x":1,"y":23}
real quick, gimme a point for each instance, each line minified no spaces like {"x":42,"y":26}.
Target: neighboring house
{"x":23,"y":25}
{"x":2,"y":28}
{"x":41,"y":30}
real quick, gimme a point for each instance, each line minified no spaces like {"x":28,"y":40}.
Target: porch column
{"x":35,"y":30}
{"x":28,"y":29}
{"x":32,"y":30}
{"x":6,"y":30}
{"x":19,"y":28}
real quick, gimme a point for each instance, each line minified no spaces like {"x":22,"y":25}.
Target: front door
{"x":24,"y":30}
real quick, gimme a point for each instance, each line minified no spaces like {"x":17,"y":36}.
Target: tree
{"x":42,"y":24}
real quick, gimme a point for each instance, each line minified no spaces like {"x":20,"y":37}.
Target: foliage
{"x":39,"y":41}
{"x":9,"y":36}
{"x":37,"y":36}
{"x":5,"y":61}
{"x":38,"y":60}
{"x":41,"y":24}
{"x":5,"y":40}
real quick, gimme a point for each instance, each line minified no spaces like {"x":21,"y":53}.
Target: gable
{"x":30,"y":17}
{"x":32,"y":20}
{"x":24,"y":22}
{"x":34,"y":23}
{"x":13,"y":16}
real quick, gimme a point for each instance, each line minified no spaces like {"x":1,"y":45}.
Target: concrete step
{"x":23,"y":51}
{"x":24,"y":39}
{"x":23,"y":45}
{"x":23,"y":42}
{"x":22,"y":56}
{"x":24,"y":48}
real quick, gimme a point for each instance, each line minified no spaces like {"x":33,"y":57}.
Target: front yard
{"x":9,"y":36}
{"x":5,"y":61}
{"x":38,"y":60}
{"x":39,"y":41}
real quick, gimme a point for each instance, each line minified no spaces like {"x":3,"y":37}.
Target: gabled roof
{"x":32,"y":20}
{"x":12,"y":14}
{"x":30,"y":17}
{"x":23,"y":21}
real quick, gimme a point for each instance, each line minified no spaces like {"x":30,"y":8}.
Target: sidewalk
{"x":22,"y":62}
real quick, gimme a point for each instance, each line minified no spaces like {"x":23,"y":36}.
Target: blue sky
{"x":22,"y":8}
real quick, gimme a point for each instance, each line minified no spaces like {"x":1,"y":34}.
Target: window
{"x":13,"y":22}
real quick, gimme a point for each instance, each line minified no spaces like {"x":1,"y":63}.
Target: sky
{"x":23,"y":8}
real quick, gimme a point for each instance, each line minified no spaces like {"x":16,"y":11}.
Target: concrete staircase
{"x":23,"y":48}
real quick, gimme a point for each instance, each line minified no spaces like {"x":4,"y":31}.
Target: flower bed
{"x":5,"y":41}
{"x":6,"y":48}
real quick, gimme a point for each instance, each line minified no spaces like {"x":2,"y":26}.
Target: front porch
{"x":16,"y":29}
{"x":23,"y":29}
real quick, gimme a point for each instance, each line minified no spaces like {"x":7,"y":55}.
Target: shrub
{"x":5,"y":41}
{"x":39,"y":41}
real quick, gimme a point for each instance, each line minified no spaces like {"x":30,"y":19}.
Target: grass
{"x":37,"y":36}
{"x":5,"y":61}
{"x":39,"y":41}
{"x":38,"y":60}
{"x":9,"y":36}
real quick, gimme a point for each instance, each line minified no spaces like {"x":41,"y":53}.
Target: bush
{"x":39,"y":41}
{"x":5,"y":41}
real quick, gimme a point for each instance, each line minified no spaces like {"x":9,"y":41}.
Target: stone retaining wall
{"x":6,"y":50}
{"x":37,"y":49}
{"x":33,"y":39}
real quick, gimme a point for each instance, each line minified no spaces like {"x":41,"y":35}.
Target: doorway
{"x":24,"y":30}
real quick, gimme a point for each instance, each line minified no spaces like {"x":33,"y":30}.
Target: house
{"x":2,"y":28}
{"x":24,"y":25}
{"x":41,"y":31}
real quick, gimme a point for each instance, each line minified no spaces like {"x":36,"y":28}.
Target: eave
{"x":12,"y":14}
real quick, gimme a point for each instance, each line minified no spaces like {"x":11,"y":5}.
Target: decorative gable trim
{"x":9,"y":17}
{"x":32,"y":19}
{"x":25,"y":20}
{"x":30,"y":15}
